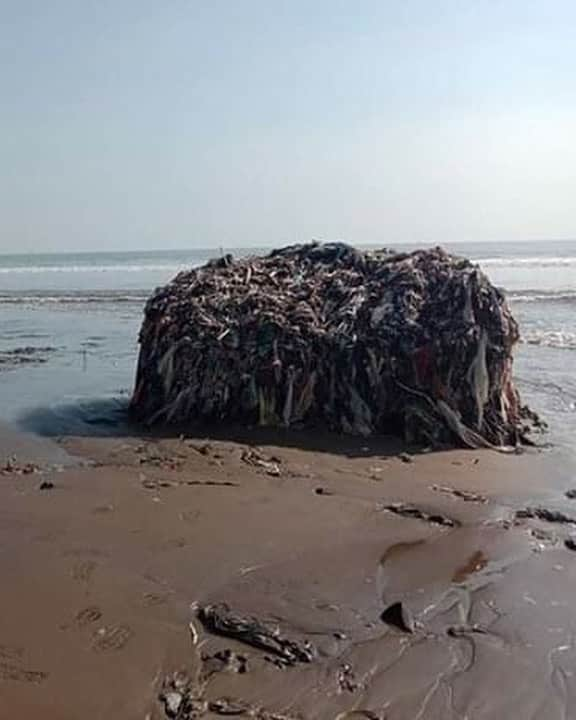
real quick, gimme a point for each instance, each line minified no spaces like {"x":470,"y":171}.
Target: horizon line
{"x":231,"y":249}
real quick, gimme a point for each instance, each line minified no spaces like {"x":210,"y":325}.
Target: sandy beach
{"x":373,"y":583}
{"x":288,"y":361}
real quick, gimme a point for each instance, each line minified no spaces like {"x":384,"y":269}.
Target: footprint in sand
{"x":11,"y":658}
{"x":175,"y":543}
{"x":48,"y":537}
{"x":88,"y":615}
{"x":190,"y":516}
{"x":152,"y":599}
{"x":112,"y":638}
{"x":83,"y":571}
{"x":10,"y":653}
{"x":10,"y":671}
{"x":103,"y":509}
{"x":85,"y":552}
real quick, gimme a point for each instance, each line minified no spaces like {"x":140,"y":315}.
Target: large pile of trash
{"x":418,"y":344}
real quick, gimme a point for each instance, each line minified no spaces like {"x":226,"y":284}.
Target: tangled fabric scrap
{"x":417,"y":344}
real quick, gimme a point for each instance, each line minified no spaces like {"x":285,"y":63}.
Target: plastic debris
{"x":173,"y":703}
{"x":417,"y":344}
{"x":411,"y":511}
{"x":13,"y":467}
{"x":221,"y":620}
{"x":541,"y":513}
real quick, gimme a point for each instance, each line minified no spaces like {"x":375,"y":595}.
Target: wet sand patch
{"x":389,"y":614}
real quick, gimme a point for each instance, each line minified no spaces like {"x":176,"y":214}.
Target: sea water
{"x":69,"y":329}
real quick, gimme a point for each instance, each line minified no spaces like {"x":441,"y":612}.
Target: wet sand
{"x":372,"y":584}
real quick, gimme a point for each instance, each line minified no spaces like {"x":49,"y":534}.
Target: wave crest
{"x":551,"y":338}
{"x":530,"y":296}
{"x":71,"y":298}
{"x":527,"y":262}
{"x":136,"y":268}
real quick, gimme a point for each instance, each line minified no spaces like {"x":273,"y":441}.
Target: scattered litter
{"x":177,"y":698}
{"x":326,"y":335}
{"x":465,"y":495}
{"x":220,"y":620}
{"x":29,"y":355}
{"x":13,"y":467}
{"x":229,"y":706}
{"x":271,"y":466}
{"x":155,"y":459}
{"x":223,"y":661}
{"x":551,"y":516}
{"x":406,"y":458}
{"x":346,"y":679}
{"x":544,"y":536}
{"x":411,"y":511}
{"x":173,"y":703}
{"x":213,"y":483}
{"x":151,"y":484}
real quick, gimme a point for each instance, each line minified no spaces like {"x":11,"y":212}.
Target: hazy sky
{"x":129,"y":124}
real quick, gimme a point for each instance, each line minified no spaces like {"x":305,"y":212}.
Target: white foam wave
{"x":73,"y":299}
{"x":119,"y":268}
{"x":551,"y":338}
{"x":542,"y":296}
{"x":513,"y":261}
{"x":528,"y":262}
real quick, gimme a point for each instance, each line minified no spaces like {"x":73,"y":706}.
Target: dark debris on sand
{"x":411,"y":511}
{"x":541,"y":513}
{"x":13,"y":467}
{"x":221,"y":620}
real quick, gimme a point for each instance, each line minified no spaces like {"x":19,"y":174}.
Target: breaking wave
{"x":528,"y":296}
{"x":551,"y":338}
{"x":523,"y":262}
{"x":72,"y":298}
{"x":118,"y":268}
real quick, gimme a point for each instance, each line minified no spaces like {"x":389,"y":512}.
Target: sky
{"x":139,"y":124}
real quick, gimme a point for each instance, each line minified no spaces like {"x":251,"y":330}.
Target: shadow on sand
{"x":85,"y":418}
{"x":110,"y":418}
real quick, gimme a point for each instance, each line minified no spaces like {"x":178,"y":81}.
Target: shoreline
{"x":106,"y":569}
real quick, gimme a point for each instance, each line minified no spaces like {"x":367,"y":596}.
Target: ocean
{"x":68,"y":337}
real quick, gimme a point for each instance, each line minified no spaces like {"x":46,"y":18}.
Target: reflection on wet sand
{"x":476,"y":562}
